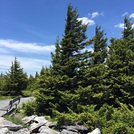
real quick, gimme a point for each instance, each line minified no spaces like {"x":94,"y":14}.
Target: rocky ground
{"x":40,"y":125}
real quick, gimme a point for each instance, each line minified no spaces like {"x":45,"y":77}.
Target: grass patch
{"x":6,"y":97}
{"x":16,"y":118}
{"x":13,"y":119}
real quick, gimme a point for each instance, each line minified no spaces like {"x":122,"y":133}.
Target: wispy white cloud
{"x":120,"y":25}
{"x":25,"y":47}
{"x":94,"y":14}
{"x":86,"y":21}
{"x":124,"y":14}
{"x":26,"y":53}
{"x":30,"y":65}
{"x":131,"y":15}
{"x":90,"y":19}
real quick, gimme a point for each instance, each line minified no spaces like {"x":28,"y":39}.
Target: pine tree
{"x":57,"y":89}
{"x":56,"y":61}
{"x":16,"y":79}
{"x":67,"y":53}
{"x":94,"y":75}
{"x":128,"y":32}
{"x":120,"y":78}
{"x":2,"y":84}
{"x":100,"y":46}
{"x":69,"y":56}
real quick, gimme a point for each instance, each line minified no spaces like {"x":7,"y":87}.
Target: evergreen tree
{"x":57,"y":89}
{"x":42,"y":71}
{"x":16,"y":79}
{"x":66,"y":59}
{"x":120,"y":78}
{"x":2,"y":84}
{"x":69,"y":57}
{"x":56,"y":61}
{"x":37,"y":74}
{"x":94,"y":75}
{"x":128,"y":32}
{"x":100,"y":46}
{"x":69,"y":49}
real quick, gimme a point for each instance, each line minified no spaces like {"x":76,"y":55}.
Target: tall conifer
{"x":16,"y":79}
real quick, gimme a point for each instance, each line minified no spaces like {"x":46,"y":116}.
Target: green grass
{"x":13,"y":119}
{"x":6,"y":97}
{"x":16,"y":118}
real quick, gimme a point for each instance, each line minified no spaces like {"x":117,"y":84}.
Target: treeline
{"x":94,"y":87}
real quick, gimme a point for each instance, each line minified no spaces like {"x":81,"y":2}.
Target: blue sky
{"x":29,"y":28}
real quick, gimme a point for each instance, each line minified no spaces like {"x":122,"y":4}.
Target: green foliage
{"x":120,"y":121}
{"x":100,"y":46}
{"x":2,"y":84}
{"x":5,"y":97}
{"x":32,"y":84}
{"x":65,"y":119}
{"x":110,"y":120}
{"x":29,"y":108}
{"x":16,"y":79}
{"x":119,"y":74}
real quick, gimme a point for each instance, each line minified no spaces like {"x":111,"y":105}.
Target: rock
{"x":76,"y":128}
{"x":4,"y":130}
{"x":22,"y":131}
{"x":51,"y":124}
{"x":64,"y":131}
{"x":40,"y":119}
{"x":81,"y":128}
{"x":29,"y":119}
{"x":35,"y":127}
{"x":47,"y":130}
{"x":96,"y":131}
{"x":11,"y":126}
{"x":71,"y":128}
{"x":14,"y":127}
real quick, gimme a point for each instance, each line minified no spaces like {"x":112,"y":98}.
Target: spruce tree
{"x":16,"y":79}
{"x":128,"y":32}
{"x":69,"y":56}
{"x":99,"y":46}
{"x":2,"y":84}
{"x":120,"y":78}
{"x":56,"y":61}
{"x":72,"y":43}
{"x":57,"y":89}
{"x":94,"y":74}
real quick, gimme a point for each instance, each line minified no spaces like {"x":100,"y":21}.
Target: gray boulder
{"x":34,"y":127}
{"x":22,"y":131}
{"x":28,"y":119}
{"x":65,"y":131}
{"x":11,"y":126}
{"x":4,"y":130}
{"x":40,"y":119}
{"x":47,"y":130}
{"x":76,"y":128}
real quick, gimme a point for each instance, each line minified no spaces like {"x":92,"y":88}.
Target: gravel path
{"x":4,"y":103}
